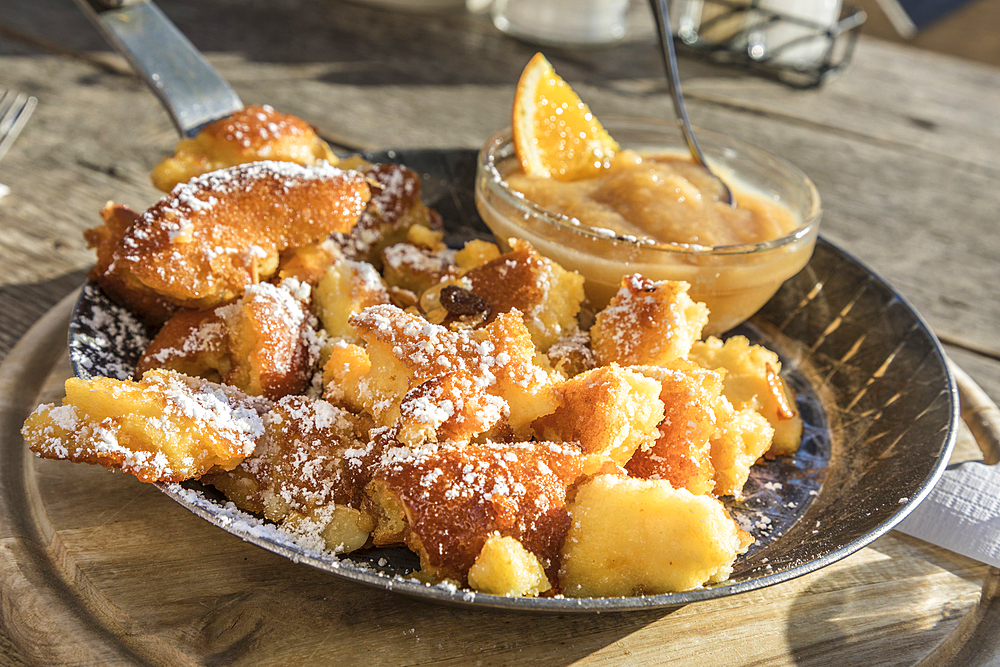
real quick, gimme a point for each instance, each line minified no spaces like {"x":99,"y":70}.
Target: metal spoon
{"x":662,"y":15}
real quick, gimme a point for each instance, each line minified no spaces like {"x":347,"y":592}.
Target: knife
{"x":962,"y":511}
{"x":191,"y":90}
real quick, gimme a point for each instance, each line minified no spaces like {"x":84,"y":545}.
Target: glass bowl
{"x":733,"y":280}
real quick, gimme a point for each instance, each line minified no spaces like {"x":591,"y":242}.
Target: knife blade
{"x":962,"y":511}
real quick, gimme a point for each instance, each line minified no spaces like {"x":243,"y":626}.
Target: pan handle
{"x":980,"y":414}
{"x":190,"y":89}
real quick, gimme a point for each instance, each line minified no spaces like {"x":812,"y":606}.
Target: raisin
{"x":460,"y":302}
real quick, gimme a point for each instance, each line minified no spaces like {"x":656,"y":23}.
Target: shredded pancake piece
{"x":743,"y":437}
{"x":505,"y":567}
{"x":203,"y":243}
{"x":681,"y":452}
{"x":249,"y":135}
{"x":347,"y":287}
{"x":120,"y":285}
{"x":166,"y":427}
{"x":297,"y":476}
{"x":394,"y":208}
{"x":643,"y":537}
{"x":406,"y":350}
{"x":192,"y":342}
{"x":265,"y":343}
{"x":610,"y":411}
{"x":753,"y":381}
{"x":272,"y":339}
{"x":648,"y":322}
{"x":343,"y":370}
{"x":450,"y":407}
{"x":547,"y":296}
{"x":456,"y":496}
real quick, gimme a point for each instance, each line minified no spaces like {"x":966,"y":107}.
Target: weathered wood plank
{"x":930,"y":104}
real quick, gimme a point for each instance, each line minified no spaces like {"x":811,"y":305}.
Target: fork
{"x":15,"y":109}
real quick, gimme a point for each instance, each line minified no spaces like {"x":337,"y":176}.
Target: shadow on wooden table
{"x":852,"y":609}
{"x":24,"y":303}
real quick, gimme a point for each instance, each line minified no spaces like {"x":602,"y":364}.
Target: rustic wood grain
{"x":905,"y":151}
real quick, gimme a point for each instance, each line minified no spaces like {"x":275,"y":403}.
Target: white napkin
{"x":961,"y":513}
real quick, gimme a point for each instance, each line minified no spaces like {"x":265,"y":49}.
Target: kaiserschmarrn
{"x":326,"y":362}
{"x":250,"y":135}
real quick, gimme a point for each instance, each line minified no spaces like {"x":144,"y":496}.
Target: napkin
{"x":961,"y":513}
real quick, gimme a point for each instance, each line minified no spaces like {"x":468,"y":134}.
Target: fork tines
{"x":15,"y":109}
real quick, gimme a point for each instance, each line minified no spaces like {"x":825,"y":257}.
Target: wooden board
{"x":99,"y":568}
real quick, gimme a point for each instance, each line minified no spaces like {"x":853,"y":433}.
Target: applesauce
{"x":670,"y":228}
{"x":664,"y":198}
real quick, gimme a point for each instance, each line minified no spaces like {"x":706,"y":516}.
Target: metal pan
{"x":873,"y":386}
{"x":880,"y":405}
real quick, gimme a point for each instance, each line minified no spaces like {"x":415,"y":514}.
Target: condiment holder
{"x":801,"y":44}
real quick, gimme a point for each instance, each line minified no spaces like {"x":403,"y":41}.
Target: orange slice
{"x":555,"y":134}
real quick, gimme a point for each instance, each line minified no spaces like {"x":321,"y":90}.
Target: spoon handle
{"x":662,"y":15}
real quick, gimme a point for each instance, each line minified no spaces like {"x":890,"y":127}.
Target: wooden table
{"x":904,"y":148}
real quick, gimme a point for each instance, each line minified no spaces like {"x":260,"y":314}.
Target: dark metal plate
{"x":879,"y":404}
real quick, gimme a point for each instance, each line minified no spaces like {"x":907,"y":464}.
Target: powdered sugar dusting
{"x":147,"y":427}
{"x":175,"y":213}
